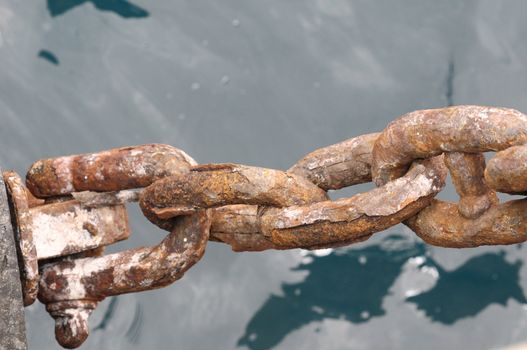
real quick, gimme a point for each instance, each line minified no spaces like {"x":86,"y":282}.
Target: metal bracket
{"x":44,"y":231}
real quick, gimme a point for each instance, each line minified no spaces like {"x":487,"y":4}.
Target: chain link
{"x":254,"y":209}
{"x":460,"y":132}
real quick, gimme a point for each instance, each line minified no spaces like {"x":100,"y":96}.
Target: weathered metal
{"x":12,"y":326}
{"x":66,"y":284}
{"x":441,"y":224}
{"x":466,"y":171}
{"x":340,"y":165}
{"x":507,"y":171}
{"x":344,"y":221}
{"x":427,"y":133}
{"x":27,"y":253}
{"x":112,"y":170}
{"x":69,"y":227}
{"x":238,"y":226}
{"x":92,"y":199}
{"x":254,"y":209}
{"x":63,"y":228}
{"x":461,"y":131}
{"x":328,"y":223}
{"x":214,"y":185}
{"x":72,"y":288}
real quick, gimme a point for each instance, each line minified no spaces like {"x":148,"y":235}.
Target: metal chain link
{"x":254,"y":209}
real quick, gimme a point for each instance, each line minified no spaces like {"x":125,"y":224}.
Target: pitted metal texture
{"x":255,"y":209}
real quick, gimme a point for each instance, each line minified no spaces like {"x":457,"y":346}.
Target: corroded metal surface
{"x":238,"y":226}
{"x":92,"y":199}
{"x":112,"y":170}
{"x":507,"y":171}
{"x":329,"y":223}
{"x":307,"y":220}
{"x":461,"y":131}
{"x":347,"y":220}
{"x":427,"y":133}
{"x":340,"y":165}
{"x":442,"y":225}
{"x":214,"y":185}
{"x":62,"y":228}
{"x":466,"y":170}
{"x":65,"y":228}
{"x":71,"y":326}
{"x":71,"y":288}
{"x":254,"y":209}
{"x":27,"y":253}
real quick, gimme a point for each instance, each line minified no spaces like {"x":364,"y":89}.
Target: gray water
{"x":263,"y":83}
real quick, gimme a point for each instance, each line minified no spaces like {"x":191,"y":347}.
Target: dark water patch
{"x":122,"y":8}
{"x":350,"y":285}
{"x":483,"y":280}
{"x":48,"y":56}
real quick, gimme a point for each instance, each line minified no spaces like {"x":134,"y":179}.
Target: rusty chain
{"x":254,"y":209}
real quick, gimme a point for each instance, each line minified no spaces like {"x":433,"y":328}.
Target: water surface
{"x":263,"y":83}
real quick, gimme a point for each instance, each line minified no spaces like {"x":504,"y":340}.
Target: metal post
{"x":12,"y":322}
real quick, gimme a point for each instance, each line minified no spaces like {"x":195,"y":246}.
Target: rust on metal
{"x":87,"y":281}
{"x":507,"y":171}
{"x":62,"y":228}
{"x":209,"y":186}
{"x":65,"y":228}
{"x":238,"y":226}
{"x":255,"y":209}
{"x":441,"y":224}
{"x":466,"y":170}
{"x":101,"y":199}
{"x":27,"y":253}
{"x":460,"y":131}
{"x":327,"y":223}
{"x":32,"y":201}
{"x":71,"y":327}
{"x":348,"y":220}
{"x":340,"y":165}
{"x":306,"y":221}
{"x":112,"y":170}
{"x":427,"y":133}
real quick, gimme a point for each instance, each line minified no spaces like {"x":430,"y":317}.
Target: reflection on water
{"x":122,"y":8}
{"x":466,"y":291}
{"x":48,"y":56}
{"x":351,"y":285}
